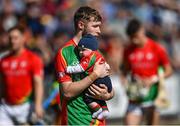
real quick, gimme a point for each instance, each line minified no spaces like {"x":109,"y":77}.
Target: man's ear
{"x":81,"y":25}
{"x":24,"y":38}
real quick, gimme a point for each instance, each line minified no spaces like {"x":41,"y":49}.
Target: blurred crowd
{"x":49,"y":24}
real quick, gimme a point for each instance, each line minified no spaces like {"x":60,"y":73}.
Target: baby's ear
{"x":81,"y":25}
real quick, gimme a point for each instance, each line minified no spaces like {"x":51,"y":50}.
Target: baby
{"x":87,"y":49}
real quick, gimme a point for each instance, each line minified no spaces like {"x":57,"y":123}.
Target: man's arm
{"x":149,"y":81}
{"x":167,"y":71}
{"x":72,"y":89}
{"x":38,"y":86}
{"x":164,"y":61}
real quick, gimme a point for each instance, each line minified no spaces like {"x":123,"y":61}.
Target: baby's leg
{"x":103,"y":115}
{"x":105,"y":112}
{"x":96,"y":108}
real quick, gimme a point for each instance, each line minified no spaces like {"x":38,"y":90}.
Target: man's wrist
{"x":154,"y":79}
{"x":38,"y":103}
{"x":93,"y":76}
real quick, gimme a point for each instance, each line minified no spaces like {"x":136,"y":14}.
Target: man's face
{"x":92,"y":27}
{"x":16,"y":40}
{"x":139,"y":36}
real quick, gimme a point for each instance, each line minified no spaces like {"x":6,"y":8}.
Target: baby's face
{"x":85,"y":52}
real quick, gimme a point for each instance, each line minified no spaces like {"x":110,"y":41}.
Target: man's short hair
{"x":133,"y":27}
{"x":21,"y":29}
{"x":85,"y":13}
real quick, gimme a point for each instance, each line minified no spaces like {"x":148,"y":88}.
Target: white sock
{"x":106,"y":114}
{"x":95,"y":114}
{"x":103,"y":115}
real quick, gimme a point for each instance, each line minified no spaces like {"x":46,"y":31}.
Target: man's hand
{"x":101,"y":70}
{"x":147,"y":82}
{"x":101,"y":92}
{"x":71,"y":89}
{"x":39,"y":111}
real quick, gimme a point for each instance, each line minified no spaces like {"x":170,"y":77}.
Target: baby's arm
{"x":85,"y":63}
{"x":75,"y":69}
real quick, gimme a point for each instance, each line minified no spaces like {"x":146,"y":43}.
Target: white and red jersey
{"x":17,"y":73}
{"x":144,"y":61}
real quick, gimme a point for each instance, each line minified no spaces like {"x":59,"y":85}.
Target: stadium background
{"x":49,"y":23}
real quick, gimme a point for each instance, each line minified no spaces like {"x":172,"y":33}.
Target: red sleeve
{"x":37,"y":66}
{"x":60,"y":66}
{"x":98,"y":56}
{"x":85,"y":62}
{"x":163,"y":56}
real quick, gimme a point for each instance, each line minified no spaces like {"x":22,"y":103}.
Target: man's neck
{"x":143,"y":42}
{"x":77,"y":37}
{"x":18,"y":52}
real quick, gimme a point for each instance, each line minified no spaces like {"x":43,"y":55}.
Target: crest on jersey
{"x":60,"y":74}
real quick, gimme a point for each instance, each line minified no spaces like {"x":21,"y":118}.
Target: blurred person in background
{"x":21,"y":74}
{"x":142,"y":59}
{"x":114,"y":52}
{"x":74,"y":110}
{"x":117,"y":105}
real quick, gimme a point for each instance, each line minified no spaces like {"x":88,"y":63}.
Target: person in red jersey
{"x":142,"y":59}
{"x":74,"y":110}
{"x":21,"y":74}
